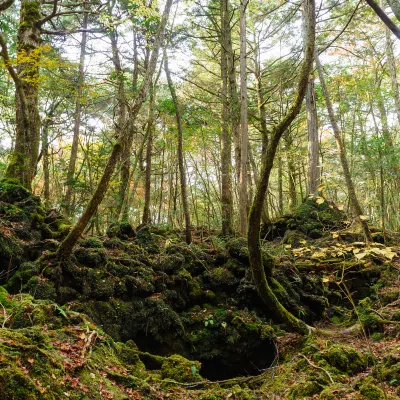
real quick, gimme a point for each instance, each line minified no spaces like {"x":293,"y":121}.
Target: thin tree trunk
{"x":391,"y":66}
{"x":77,"y":121}
{"x":243,"y":193}
{"x":181,"y":161}
{"x":69,"y":242}
{"x":342,"y":154}
{"x":226,"y":140}
{"x":149,"y":148}
{"x":314,"y":170}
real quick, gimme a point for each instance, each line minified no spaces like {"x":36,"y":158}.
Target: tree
{"x":181,"y":161}
{"x":226,"y":138}
{"x":69,"y":242}
{"x":77,"y":118}
{"x":243,"y":193}
{"x":262,"y":274}
{"x":342,"y":154}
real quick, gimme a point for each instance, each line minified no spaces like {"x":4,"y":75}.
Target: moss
{"x":305,"y":388}
{"x":92,"y":242}
{"x":41,"y":288}
{"x":370,"y":391}
{"x":180,"y":369}
{"x":221,"y":277}
{"x":146,"y":239}
{"x":315,"y":219}
{"x":172,"y":263}
{"x":335,"y":392}
{"x":12,"y":192}
{"x":237,"y":248}
{"x":90,"y":257}
{"x":344,"y":359}
{"x":14,"y":385}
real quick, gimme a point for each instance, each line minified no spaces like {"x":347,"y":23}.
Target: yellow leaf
{"x":355,"y":251}
{"x":320,"y":200}
{"x":363,"y":217}
{"x":325,"y":279}
{"x":288,"y":246}
{"x":340,"y":208}
{"x":335,"y":235}
{"x":359,"y":256}
{"x":320,"y":187}
{"x":302,"y":241}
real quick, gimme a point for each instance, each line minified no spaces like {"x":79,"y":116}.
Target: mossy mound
{"x":312,"y":218}
{"x":344,"y":359}
{"x":180,"y":369}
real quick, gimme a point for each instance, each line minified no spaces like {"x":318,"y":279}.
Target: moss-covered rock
{"x":180,"y":369}
{"x":306,"y":388}
{"x":344,"y":359}
{"x":370,"y":391}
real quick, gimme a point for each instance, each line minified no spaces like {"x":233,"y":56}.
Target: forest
{"x":199,"y":199}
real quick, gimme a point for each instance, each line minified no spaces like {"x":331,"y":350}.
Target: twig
{"x":92,"y":337}
{"x":317,"y":367}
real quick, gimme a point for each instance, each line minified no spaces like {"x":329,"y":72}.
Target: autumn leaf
{"x":359,"y":256}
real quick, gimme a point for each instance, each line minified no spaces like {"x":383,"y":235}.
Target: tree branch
{"x":385,"y":19}
{"x":4,"y":4}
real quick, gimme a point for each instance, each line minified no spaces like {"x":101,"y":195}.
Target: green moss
{"x":305,"y":388}
{"x":370,"y":391}
{"x":335,"y":392}
{"x":344,"y":359}
{"x":92,"y":242}
{"x":180,"y":369}
{"x":41,"y":288}
{"x":237,"y":248}
{"x":221,"y":276}
{"x":14,"y":385}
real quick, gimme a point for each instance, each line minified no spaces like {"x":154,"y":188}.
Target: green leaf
{"x":194,"y":370}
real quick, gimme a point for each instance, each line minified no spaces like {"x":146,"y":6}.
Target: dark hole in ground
{"x":231,"y":365}
{"x":225,"y":365}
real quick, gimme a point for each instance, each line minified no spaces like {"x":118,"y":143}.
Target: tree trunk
{"x":181,"y":161}
{"x":23,"y":161}
{"x":147,"y":176}
{"x":243,"y":195}
{"x":77,"y":121}
{"x":391,"y":66}
{"x":262,"y":274}
{"x":226,"y":140}
{"x":314,"y":170}
{"x":342,"y":153}
{"x":69,"y":242}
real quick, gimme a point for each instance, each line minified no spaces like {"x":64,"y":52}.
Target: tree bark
{"x":243,"y":193}
{"x":147,"y":176}
{"x":342,"y":153}
{"x":226,"y":139}
{"x":181,"y":161}
{"x":314,"y":170}
{"x":69,"y":242}
{"x":77,"y":121}
{"x":262,"y":274}
{"x":391,"y":66}
{"x":23,"y":161}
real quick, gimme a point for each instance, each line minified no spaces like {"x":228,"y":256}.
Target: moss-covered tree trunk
{"x":65,"y":249}
{"x":226,"y":138}
{"x":23,"y":161}
{"x":262,"y":275}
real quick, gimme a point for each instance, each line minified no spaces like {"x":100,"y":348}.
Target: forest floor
{"x":138,"y":314}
